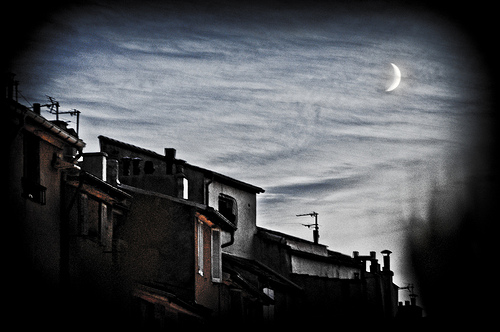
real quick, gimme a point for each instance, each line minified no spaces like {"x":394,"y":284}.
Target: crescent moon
{"x":397,"y":78}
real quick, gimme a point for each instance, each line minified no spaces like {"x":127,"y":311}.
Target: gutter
{"x":230,"y":242}
{"x":52,"y":128}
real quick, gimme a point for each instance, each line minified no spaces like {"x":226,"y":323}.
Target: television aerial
{"x":315,"y":225}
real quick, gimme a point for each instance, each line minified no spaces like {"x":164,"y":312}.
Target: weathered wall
{"x":329,"y":299}
{"x":206,"y":291}
{"x":38,"y":224}
{"x":246,"y":221}
{"x":301,"y":265}
{"x":160,"y":242}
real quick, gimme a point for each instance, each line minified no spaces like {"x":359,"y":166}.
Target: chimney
{"x":36,"y":108}
{"x":374,"y":266}
{"x":387,"y":259}
{"x":170,"y":153}
{"x":169,"y":158}
{"x":95,"y":163}
{"x":112,"y":172}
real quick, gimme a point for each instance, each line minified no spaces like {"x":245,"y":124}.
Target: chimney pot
{"x":387,"y":260}
{"x":36,"y":108}
{"x":170,"y":153}
{"x":112,"y":172}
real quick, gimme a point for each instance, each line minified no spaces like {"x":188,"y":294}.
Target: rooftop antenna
{"x":315,"y":225}
{"x":53,"y":107}
{"x":413,"y":296}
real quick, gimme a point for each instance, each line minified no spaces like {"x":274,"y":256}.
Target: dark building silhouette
{"x":135,"y":237}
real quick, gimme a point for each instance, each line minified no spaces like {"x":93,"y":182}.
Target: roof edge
{"x":216,"y":176}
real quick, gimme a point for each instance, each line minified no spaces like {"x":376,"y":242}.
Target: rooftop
{"x":216,"y":176}
{"x":55,"y":128}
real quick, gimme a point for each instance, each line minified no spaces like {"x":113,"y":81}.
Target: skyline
{"x":289,"y":100}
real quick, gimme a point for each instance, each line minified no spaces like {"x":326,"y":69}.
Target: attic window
{"x":228,"y":208}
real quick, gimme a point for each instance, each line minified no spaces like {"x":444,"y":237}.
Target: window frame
{"x":216,"y":255}
{"x":234,"y":208}
{"x":200,"y":244}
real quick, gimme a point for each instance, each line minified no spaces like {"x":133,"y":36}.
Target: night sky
{"x":288,"y":98}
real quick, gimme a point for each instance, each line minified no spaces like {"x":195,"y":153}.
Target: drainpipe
{"x":64,"y":229}
{"x":230,"y":242}
{"x":208,"y":182}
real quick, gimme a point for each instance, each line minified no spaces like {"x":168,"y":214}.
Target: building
{"x":63,"y":220}
{"x":335,"y":285}
{"x":139,"y":237}
{"x":196,"y":215}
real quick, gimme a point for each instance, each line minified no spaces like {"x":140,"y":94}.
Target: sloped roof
{"x":51,"y":127}
{"x":216,"y":176}
{"x":244,"y":266}
{"x":331,"y":256}
{"x":209,"y":211}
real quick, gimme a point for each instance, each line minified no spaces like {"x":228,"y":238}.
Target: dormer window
{"x":126,"y":161}
{"x":228,"y":208}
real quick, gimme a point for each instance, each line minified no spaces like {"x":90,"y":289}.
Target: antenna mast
{"x":315,"y":225}
{"x":54,"y":109}
{"x":413,"y":296}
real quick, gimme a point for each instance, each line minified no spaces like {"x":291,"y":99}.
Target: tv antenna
{"x":315,"y":225}
{"x":53,"y":107}
{"x":413,"y":296}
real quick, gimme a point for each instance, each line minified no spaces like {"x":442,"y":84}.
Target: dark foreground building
{"x":129,"y":236}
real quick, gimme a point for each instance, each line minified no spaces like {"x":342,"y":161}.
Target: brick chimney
{"x":96,"y":164}
{"x":169,"y":159}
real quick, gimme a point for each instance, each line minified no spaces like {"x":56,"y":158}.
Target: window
{"x":268,"y":310}
{"x":200,"y":247}
{"x":97,"y":222}
{"x":228,"y":208}
{"x":216,"y":256}
{"x":185,"y":188}
{"x":31,"y":170}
